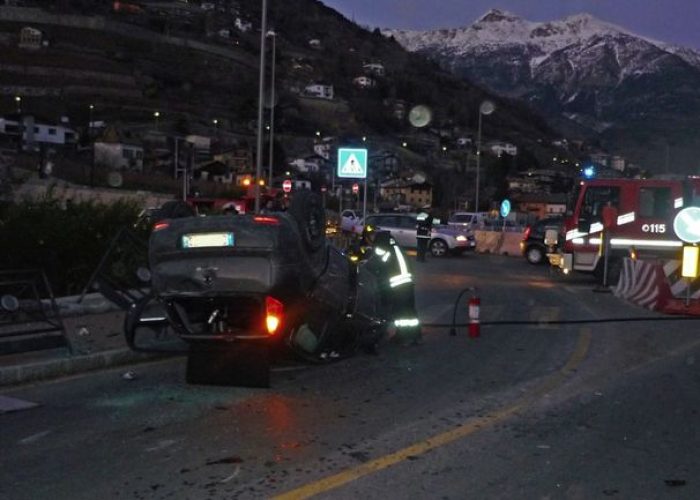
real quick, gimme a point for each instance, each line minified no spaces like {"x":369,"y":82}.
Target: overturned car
{"x":238,"y":288}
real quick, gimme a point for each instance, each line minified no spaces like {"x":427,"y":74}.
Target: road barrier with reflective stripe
{"x":643,"y":283}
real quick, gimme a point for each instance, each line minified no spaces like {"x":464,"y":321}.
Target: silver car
{"x":443,"y":239}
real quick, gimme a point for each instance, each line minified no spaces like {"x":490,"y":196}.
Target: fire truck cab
{"x":638,"y":221}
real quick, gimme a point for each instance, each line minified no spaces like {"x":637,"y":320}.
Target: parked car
{"x":443,"y":239}
{"x":467,"y":219}
{"x":532,"y":245}
{"x":349,"y":220}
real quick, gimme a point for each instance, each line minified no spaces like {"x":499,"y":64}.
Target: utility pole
{"x":261,"y":99}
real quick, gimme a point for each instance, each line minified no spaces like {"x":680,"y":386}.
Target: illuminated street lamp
{"x":156,"y":115}
{"x":486,"y":108}
{"x":18,"y":100}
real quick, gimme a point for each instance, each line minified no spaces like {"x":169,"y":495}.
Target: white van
{"x":471,"y":220}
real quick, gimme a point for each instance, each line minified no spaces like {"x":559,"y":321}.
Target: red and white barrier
{"x":643,"y":283}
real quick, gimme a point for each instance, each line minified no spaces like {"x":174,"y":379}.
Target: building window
{"x":52,"y":131}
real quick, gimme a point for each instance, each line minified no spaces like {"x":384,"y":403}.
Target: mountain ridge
{"x":617,"y":84}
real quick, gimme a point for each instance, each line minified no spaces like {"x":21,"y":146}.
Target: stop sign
{"x":355,"y":188}
{"x":287,"y":185}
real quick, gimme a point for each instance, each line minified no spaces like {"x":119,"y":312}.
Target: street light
{"x":156,"y":115}
{"x":486,"y":108}
{"x":272,"y":35}
{"x":261,"y":98}
{"x":18,"y":100}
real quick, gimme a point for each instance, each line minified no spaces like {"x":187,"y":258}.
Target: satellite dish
{"x":487,"y":107}
{"x":420,"y":116}
{"x":115,"y":179}
{"x":419,"y":178}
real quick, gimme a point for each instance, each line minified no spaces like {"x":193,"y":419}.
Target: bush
{"x":67,"y":243}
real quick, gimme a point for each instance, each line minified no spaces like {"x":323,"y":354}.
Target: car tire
{"x":534,"y":255}
{"x":307,"y":210}
{"x":438,"y":248}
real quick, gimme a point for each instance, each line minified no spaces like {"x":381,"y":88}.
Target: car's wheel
{"x":438,"y":248}
{"x":534,"y":255}
{"x":307,"y":210}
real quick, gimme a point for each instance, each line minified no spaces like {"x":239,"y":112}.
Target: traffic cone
{"x":474,"y":327}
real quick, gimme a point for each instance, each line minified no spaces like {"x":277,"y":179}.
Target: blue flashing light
{"x":589,"y":172}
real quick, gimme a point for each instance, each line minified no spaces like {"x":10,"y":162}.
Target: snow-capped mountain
{"x":580,"y":67}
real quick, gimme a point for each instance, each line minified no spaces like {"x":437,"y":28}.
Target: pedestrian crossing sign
{"x":352,"y":163}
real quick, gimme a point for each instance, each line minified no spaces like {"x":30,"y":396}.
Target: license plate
{"x":206,"y":240}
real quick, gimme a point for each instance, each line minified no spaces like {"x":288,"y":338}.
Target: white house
{"x":38,"y":131}
{"x":119,"y":155}
{"x":319,"y":90}
{"x":242,"y":25}
{"x":311,"y":163}
{"x":315,"y":43}
{"x":363,"y":82}
{"x":498,"y":148}
{"x":376,"y":69}
{"x":464,"y":141}
{"x":30,"y":38}
{"x":617,"y":163}
{"x":323,"y":149}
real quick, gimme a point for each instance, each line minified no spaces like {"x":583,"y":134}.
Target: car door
{"x":405,"y":235}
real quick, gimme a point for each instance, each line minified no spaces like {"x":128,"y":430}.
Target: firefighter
{"x":361,"y":247}
{"x":397,"y":292}
{"x":424,"y":226}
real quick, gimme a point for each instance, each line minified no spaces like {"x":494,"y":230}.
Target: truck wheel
{"x":307,"y":210}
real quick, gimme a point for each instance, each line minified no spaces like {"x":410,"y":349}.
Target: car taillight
{"x":160,"y":225}
{"x":526,"y":233}
{"x":274,"y":312}
{"x":261,"y":219}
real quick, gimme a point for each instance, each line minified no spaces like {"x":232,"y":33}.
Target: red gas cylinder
{"x":474,"y":307}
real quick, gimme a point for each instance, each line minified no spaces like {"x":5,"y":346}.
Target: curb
{"x":55,"y":368}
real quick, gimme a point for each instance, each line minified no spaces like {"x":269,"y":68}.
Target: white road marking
{"x":232,"y":476}
{"x":165,"y":443}
{"x":544,"y":314}
{"x":8,"y":404}
{"x":34,"y":437}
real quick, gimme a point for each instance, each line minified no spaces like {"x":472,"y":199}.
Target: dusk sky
{"x":675,"y":21}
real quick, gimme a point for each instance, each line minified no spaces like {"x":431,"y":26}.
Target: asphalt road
{"x":525,"y":411}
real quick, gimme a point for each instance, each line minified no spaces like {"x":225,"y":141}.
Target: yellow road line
{"x":469,"y":427}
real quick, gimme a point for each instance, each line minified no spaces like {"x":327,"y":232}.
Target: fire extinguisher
{"x":474,"y":307}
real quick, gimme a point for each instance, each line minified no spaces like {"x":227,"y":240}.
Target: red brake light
{"x":526,"y":233}
{"x":274,"y":312}
{"x":262,"y":219}
{"x":160,"y":225}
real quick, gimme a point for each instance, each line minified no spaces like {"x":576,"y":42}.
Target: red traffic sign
{"x":287,"y":185}
{"x":355,"y":188}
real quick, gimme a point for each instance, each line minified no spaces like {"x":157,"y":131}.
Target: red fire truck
{"x":638,"y":220}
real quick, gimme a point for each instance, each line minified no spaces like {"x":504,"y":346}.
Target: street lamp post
{"x":486,"y":108}
{"x":261,"y":98}
{"x":272,"y":35}
{"x":156,"y":115}
{"x":18,"y":100}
